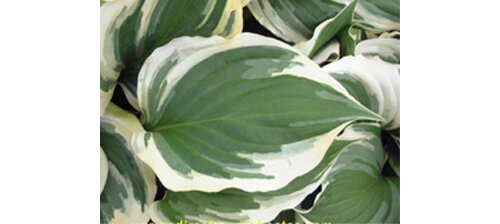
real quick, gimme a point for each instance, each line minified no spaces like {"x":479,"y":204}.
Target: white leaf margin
{"x":185,"y":47}
{"x":126,"y":125}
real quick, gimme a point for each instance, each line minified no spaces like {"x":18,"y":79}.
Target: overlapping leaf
{"x":132,"y":29}
{"x":130,"y":185}
{"x":241,"y":129}
{"x":319,"y":46}
{"x":293,"y":20}
{"x":249,"y":113}
{"x":373,"y":83}
{"x":296,"y":20}
{"x":355,"y":191}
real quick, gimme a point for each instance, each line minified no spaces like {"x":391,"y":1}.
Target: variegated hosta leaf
{"x":132,"y":29}
{"x":296,"y":20}
{"x":233,"y":205}
{"x":341,"y":45}
{"x":337,"y":26}
{"x":130,"y":186}
{"x":355,"y":191}
{"x":293,"y":20}
{"x":104,"y":169}
{"x":386,"y":49}
{"x":250,"y":113}
{"x":373,"y":83}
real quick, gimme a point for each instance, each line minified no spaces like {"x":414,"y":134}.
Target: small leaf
{"x":130,"y":186}
{"x":355,"y":190}
{"x":374,"y":83}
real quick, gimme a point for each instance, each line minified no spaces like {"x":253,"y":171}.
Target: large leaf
{"x":296,"y":20}
{"x":249,"y":113}
{"x":132,"y":29}
{"x":234,"y":205}
{"x":130,"y":186}
{"x":355,"y":191}
{"x":374,"y":83}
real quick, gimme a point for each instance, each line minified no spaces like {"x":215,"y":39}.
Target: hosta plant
{"x":237,"y":111}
